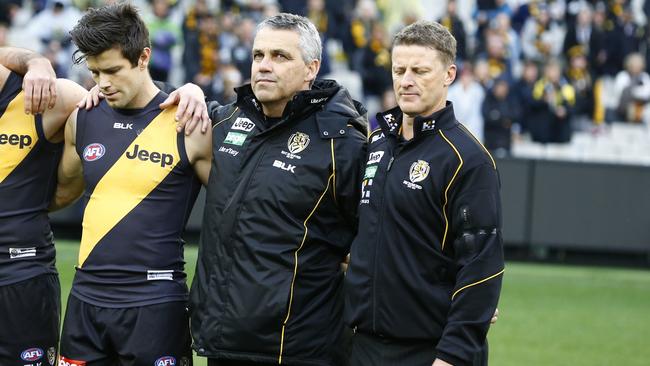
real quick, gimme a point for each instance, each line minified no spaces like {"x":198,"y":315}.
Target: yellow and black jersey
{"x":28,"y":164}
{"x":140,"y":189}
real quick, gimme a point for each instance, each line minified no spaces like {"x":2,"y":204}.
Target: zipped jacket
{"x":279,"y":218}
{"x":428,"y":260}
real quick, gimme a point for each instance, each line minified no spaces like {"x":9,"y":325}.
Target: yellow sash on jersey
{"x":129,"y":181}
{"x":17,"y":136}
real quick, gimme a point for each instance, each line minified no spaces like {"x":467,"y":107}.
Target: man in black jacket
{"x":426,"y":267}
{"x":281,"y":209}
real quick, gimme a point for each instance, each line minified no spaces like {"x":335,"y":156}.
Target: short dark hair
{"x":111,"y":26}
{"x":429,"y":34}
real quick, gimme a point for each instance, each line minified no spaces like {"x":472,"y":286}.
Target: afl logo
{"x":165,"y":361}
{"x":32,"y":354}
{"x":419,"y":171}
{"x":298,"y":142}
{"x":94,"y":151}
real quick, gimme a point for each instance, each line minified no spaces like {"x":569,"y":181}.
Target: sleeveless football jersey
{"x":28,"y":164}
{"x":140,"y":189}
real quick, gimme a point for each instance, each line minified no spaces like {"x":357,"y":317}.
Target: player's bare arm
{"x":69,"y":93}
{"x":198,"y":146}
{"x":70,"y":183}
{"x":39,"y":82}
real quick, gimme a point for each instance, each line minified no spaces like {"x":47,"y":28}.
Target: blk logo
{"x":284,"y":166}
{"x":123,"y":126}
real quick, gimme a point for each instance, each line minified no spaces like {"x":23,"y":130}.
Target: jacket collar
{"x":391,"y":121}
{"x":302,"y":104}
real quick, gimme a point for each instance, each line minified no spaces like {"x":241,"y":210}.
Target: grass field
{"x":549,"y":315}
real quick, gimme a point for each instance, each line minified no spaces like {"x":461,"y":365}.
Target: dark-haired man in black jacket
{"x":426,"y":267}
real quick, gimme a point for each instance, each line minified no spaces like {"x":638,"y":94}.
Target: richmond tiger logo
{"x":298,"y":142}
{"x":419,"y":171}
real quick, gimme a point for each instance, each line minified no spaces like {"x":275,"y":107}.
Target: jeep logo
{"x":22,"y":141}
{"x":154,"y":157}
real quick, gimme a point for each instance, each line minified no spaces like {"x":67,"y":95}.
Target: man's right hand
{"x":192,"y":109}
{"x":91,"y":99}
{"x":39,"y":86}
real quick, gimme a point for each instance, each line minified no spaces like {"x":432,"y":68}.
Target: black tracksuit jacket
{"x":280,"y":216}
{"x":427,"y":263}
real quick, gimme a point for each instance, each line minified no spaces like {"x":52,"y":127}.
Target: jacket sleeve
{"x":475,"y":214}
{"x":350,"y":155}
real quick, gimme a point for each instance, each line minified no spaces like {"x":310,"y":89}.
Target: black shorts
{"x":30,"y":313}
{"x":152,"y":335}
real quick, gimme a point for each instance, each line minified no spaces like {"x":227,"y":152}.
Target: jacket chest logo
{"x":418,"y":171}
{"x":235,"y":138}
{"x":298,"y":142}
{"x":243,"y":124}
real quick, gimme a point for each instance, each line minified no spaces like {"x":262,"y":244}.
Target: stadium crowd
{"x":540,"y":69}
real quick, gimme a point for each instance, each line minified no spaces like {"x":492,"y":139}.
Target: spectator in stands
{"x":51,"y":27}
{"x":398,"y":14}
{"x":496,"y":55}
{"x":502,"y":27}
{"x":340,"y":15}
{"x":241,"y":55}
{"x":482,"y":73}
{"x":317,"y":14}
{"x":254,"y":9}
{"x":293,"y":6}
{"x":227,"y":36}
{"x":522,"y":92}
{"x":467,"y":95}
{"x":579,"y":32}
{"x":195,"y":40}
{"x":605,"y":53}
{"x":455,"y":25}
{"x":486,"y":11}
{"x":225,"y":83}
{"x":633,"y":35}
{"x":579,"y":76}
{"x":201,"y":53}
{"x":375,"y":63}
{"x":553,"y":101}
{"x":164,"y":35}
{"x":632,"y":86}
{"x":366,"y":15}
{"x":541,"y":39}
{"x":500,"y":111}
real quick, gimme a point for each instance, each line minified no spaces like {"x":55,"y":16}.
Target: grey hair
{"x":429,"y":34}
{"x":310,"y":43}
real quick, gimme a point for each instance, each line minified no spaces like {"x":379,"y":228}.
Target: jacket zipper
{"x":379,"y":242}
